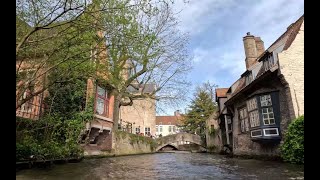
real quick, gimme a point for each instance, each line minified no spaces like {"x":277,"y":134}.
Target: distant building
{"x":141,"y":116}
{"x":167,"y":125}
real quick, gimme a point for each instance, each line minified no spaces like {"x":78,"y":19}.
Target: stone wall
{"x":214,"y":142}
{"x":291,"y":63}
{"x":123,"y":143}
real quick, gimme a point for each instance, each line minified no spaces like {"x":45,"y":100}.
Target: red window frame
{"x":105,"y":99}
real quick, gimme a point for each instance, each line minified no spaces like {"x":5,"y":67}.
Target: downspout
{"x":227,"y":131}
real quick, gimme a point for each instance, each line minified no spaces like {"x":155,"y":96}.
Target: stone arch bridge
{"x":178,"y":139}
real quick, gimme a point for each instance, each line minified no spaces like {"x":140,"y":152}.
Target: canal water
{"x":167,"y":166}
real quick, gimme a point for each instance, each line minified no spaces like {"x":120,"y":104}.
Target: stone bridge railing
{"x":176,"y":139}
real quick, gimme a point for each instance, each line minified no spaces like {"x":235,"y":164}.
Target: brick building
{"x":254,"y":113}
{"x":97,"y":131}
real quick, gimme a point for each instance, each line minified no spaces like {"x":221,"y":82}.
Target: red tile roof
{"x":168,"y":120}
{"x":221,"y":92}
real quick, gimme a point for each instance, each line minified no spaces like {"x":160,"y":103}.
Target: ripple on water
{"x":167,"y":166}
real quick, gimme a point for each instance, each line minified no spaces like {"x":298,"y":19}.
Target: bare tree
{"x":146,"y":49}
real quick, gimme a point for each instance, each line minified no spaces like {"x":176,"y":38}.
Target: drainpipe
{"x":227,"y":131}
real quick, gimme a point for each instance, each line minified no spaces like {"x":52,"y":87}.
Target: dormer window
{"x":249,"y":78}
{"x":268,"y":62}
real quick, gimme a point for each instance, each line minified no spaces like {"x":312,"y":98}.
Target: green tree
{"x":200,"y":109}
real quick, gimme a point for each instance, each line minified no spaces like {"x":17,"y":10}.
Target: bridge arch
{"x":174,"y":139}
{"x":171,"y":144}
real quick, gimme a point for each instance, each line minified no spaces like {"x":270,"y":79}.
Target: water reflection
{"x":168,"y":166}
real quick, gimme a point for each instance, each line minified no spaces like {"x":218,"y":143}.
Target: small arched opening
{"x":168,"y":147}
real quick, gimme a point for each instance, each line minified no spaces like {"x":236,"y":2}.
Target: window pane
{"x":242,"y":125}
{"x":271,"y":131}
{"x":265,"y":116}
{"x":256,"y":133}
{"x":266,"y":122}
{"x":245,"y":113}
{"x":254,"y":118}
{"x":246,"y":124}
{"x":270,"y":109}
{"x":265,"y":100}
{"x":271,"y":115}
{"x":272,"y":121}
{"x":101,"y":91}
{"x":252,"y":104}
{"x":100,"y":106}
{"x":264,"y":110}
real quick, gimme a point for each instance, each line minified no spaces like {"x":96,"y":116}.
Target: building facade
{"x":140,"y":117}
{"x":167,"y":125}
{"x":260,"y":105}
{"x":97,"y":131}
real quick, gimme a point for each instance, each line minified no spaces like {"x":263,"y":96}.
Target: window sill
{"x":103,"y":118}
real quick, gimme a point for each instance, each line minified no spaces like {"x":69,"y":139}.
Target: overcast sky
{"x":216,"y":28}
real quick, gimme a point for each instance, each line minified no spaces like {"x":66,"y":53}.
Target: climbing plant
{"x":292,"y":149}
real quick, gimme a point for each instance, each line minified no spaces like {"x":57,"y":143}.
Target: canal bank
{"x":168,"y":166}
{"x":123,"y":143}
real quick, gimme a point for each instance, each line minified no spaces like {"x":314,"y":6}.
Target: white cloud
{"x":196,"y":15}
{"x":216,"y":28}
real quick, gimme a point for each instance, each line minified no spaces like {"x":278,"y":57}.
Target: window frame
{"x":137,"y":130}
{"x":105,"y":99}
{"x":256,"y":131}
{"x":264,"y":132}
{"x":243,"y":120}
{"x":262,"y":107}
{"x":253,"y":109}
{"x":28,"y":106}
{"x":147,"y":131}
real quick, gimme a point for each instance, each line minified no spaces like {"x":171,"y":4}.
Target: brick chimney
{"x":253,"y":47}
